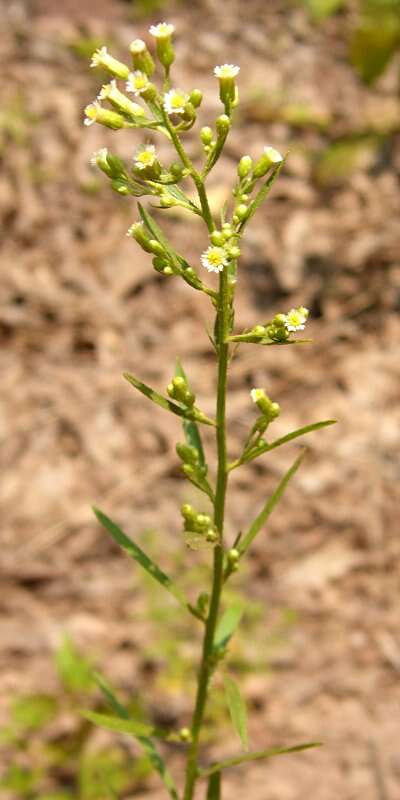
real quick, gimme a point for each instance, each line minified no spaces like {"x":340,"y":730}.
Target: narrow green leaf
{"x":255,"y":756}
{"x":214,"y":787}
{"x":162,"y":401}
{"x":138,"y":555}
{"x":120,"y":725}
{"x":227,"y":625}
{"x":237,"y":710}
{"x":190,"y":428}
{"x":288,"y":438}
{"x":269,"y":506}
{"x":110,"y":697}
{"x":262,"y":193}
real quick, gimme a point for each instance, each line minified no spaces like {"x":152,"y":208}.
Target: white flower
{"x":214,"y":259}
{"x":91,"y":113}
{"x":107,"y":89}
{"x":98,"y":155}
{"x":296,"y":319}
{"x":137,"y":82}
{"x":175,"y":101}
{"x":274,"y":156}
{"x":226,"y":71}
{"x":145,"y":156}
{"x":99,"y":57}
{"x":162,"y":30}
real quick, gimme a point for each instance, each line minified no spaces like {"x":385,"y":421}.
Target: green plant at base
{"x":170,"y":112}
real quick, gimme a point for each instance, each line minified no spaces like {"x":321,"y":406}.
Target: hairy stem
{"x":206,"y":665}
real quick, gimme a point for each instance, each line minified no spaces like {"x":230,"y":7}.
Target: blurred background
{"x":319,"y":655}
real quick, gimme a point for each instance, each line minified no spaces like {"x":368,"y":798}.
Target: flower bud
{"x":270,"y":158}
{"x":95,"y":113}
{"x":185,"y":735}
{"x":187,"y":453}
{"x":179,"y":390}
{"x":176,"y":171}
{"x":161,"y":265}
{"x":163,"y":35}
{"x":141,"y":57}
{"x":206,"y":135}
{"x":138,"y":232}
{"x":110,"y":164}
{"x":234,"y":252}
{"x":195,"y":97}
{"x":120,"y":186}
{"x":217,"y":238}
{"x":269,"y":409}
{"x":241,"y":212}
{"x":259,"y":330}
{"x":211,"y":535}
{"x":101,"y":58}
{"x":222,"y":125}
{"x":233,"y":556}
{"x":121,"y":102}
{"x":245,"y":166}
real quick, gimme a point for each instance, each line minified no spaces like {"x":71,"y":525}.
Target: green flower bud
{"x":141,"y":58}
{"x":178,"y":389}
{"x":226,"y":75}
{"x":270,"y":158}
{"x":120,"y":186}
{"x":217,"y":238}
{"x":188,"y":513}
{"x":234,"y":252}
{"x":121,"y":102}
{"x":138,"y":232}
{"x":211,"y":536}
{"x":269,"y":409}
{"x":168,"y":270}
{"x":160,"y":264}
{"x":187,"y":453}
{"x":245,"y":166}
{"x":156,"y":247}
{"x":196,"y":97}
{"x":206,"y":135}
{"x":95,"y":113}
{"x":222,"y":125}
{"x":233,"y":556}
{"x":176,"y":170}
{"x":185,"y":735}
{"x":111,"y":165}
{"x":241,"y":212}
{"x":165,"y":51}
{"x":259,"y":330}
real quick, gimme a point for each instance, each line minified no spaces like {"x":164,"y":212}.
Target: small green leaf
{"x":138,"y":555}
{"x":214,"y":787}
{"x":129,"y":726}
{"x":262,"y":193}
{"x":227,"y":625}
{"x":288,"y":438}
{"x":162,"y":401}
{"x":269,"y":506}
{"x":109,"y":696}
{"x":237,"y":710}
{"x":256,"y":756}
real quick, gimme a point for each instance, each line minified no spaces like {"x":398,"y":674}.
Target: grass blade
{"x":162,"y":401}
{"x":110,"y":697}
{"x":227,"y":625}
{"x":269,"y":506}
{"x":138,"y":555}
{"x":257,"y":755}
{"x":214,"y":787}
{"x":315,"y":426}
{"x":237,"y":710}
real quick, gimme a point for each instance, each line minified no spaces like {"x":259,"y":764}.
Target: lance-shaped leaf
{"x":262,"y":193}
{"x":257,"y":755}
{"x":120,"y":725}
{"x":190,"y":427}
{"x":163,"y":402}
{"x":214,"y":787}
{"x":148,"y":745}
{"x":237,"y":710}
{"x":138,"y":555}
{"x":265,"y":448}
{"x":269,"y":506}
{"x":227,"y":625}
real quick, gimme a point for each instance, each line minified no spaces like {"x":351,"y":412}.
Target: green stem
{"x":206,"y":665}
